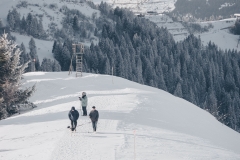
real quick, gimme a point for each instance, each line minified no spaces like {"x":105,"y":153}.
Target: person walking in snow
{"x":73,"y":116}
{"x":84,"y":101}
{"x":94,"y":115}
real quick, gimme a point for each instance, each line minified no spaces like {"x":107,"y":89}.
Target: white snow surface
{"x":226,"y":5}
{"x":220,"y":34}
{"x":44,"y":48}
{"x":136,"y":121}
{"x":142,"y":6}
{"x":178,"y":31}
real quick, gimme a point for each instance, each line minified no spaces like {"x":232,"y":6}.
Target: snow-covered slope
{"x":165,"y":127}
{"x":220,"y":34}
{"x":223,"y":38}
{"x":44,"y":48}
{"x":51,"y":16}
{"x":178,"y":31}
{"x":142,"y":6}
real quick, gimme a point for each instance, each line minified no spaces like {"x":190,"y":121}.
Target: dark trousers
{"x":74,"y":125}
{"x":94,"y":125}
{"x":84,"y":108}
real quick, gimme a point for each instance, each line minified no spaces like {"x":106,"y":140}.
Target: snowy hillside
{"x":142,"y":6}
{"x":222,"y":38}
{"x":51,"y":16}
{"x":178,"y":31}
{"x":220,"y":34}
{"x":152,"y":10}
{"x":166,"y":127}
{"x":49,"y":10}
{"x":44,"y":48}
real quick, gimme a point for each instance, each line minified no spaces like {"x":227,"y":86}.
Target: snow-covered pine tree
{"x":56,"y":66}
{"x":34,"y":57}
{"x":46,"y":65}
{"x":10,"y":76}
{"x":1,"y":24}
{"x":23,"y":25}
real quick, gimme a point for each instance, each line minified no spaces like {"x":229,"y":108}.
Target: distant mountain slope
{"x":166,"y":127}
{"x":206,"y":8}
{"x":220,"y":34}
{"x":50,"y":13}
{"x":44,"y":48}
{"x":142,"y":6}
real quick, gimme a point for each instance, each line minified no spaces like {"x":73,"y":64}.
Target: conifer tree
{"x":23,"y":25}
{"x":34,"y":57}
{"x":46,"y":65}
{"x":1,"y":24}
{"x":56,"y":66}
{"x":10,"y":75}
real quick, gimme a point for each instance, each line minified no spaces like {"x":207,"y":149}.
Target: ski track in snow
{"x":84,"y":145}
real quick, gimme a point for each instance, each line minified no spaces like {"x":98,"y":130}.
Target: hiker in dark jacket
{"x":94,"y":115}
{"x":73,"y":116}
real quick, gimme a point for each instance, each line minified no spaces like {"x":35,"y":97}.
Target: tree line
{"x":29,"y":25}
{"x":236,"y":28}
{"x":34,"y":63}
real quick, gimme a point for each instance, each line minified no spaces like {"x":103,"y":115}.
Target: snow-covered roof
{"x":237,"y":14}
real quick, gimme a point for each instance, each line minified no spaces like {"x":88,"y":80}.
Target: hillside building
{"x":237,"y":15}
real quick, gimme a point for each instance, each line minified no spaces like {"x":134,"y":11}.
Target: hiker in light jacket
{"x":84,"y":101}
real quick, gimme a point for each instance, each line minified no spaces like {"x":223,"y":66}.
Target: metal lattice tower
{"x":79,"y":59}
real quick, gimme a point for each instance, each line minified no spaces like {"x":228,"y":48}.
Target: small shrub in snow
{"x":22,"y":4}
{"x":53,"y":6}
{"x":37,"y":5}
{"x":18,"y":108}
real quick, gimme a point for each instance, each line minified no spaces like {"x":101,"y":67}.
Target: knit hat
{"x":73,"y":108}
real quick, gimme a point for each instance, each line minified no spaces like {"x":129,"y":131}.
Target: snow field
{"x":152,"y":143}
{"x":83,"y":144}
{"x":142,"y":6}
{"x":166,"y":127}
{"x":27,"y":139}
{"x":220,"y":34}
{"x":44,"y":48}
{"x":178,"y":31}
